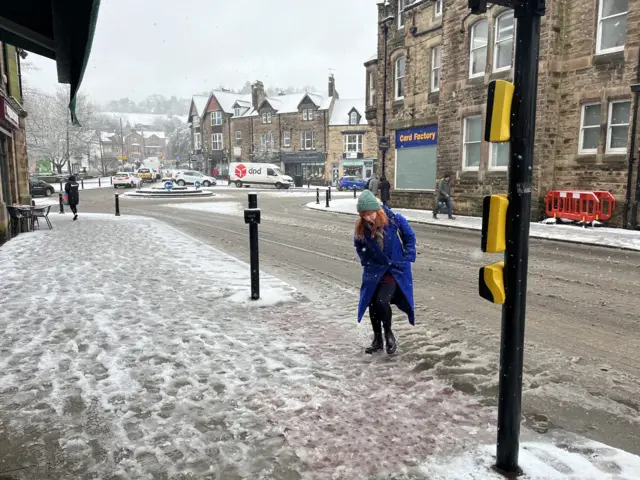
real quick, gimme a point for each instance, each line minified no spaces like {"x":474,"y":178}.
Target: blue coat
{"x":396,"y":258}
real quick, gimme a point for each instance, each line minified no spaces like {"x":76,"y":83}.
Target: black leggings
{"x":380,"y":306}
{"x":74,"y":209}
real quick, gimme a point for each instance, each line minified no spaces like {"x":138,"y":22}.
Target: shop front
{"x":308,"y":165}
{"x":9,"y":172}
{"x":416,"y":155}
{"x":362,"y":169}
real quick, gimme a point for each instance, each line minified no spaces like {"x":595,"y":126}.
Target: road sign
{"x":197,"y":184}
{"x":383,"y":143}
{"x":168,"y":186}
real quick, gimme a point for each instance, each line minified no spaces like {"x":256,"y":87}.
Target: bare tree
{"x":50,"y":134}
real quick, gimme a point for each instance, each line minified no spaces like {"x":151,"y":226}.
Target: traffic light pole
{"x":523,"y":115}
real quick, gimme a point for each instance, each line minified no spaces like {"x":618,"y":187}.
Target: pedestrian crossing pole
{"x":507,"y":219}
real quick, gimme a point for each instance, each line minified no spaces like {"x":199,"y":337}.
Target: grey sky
{"x":181,"y":48}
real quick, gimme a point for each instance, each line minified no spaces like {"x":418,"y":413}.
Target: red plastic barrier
{"x":580,"y":205}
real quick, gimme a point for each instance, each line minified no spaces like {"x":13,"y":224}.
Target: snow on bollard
{"x":117,"y":204}
{"x":252,"y":218}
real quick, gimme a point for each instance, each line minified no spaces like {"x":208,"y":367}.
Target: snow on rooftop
{"x":228,"y":99}
{"x":342,"y":108}
{"x":143,"y":118}
{"x":200,"y":101}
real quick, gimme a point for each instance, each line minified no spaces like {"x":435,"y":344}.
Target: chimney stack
{"x":257,"y":94}
{"x":332,"y":86}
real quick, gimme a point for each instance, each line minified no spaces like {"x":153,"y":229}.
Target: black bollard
{"x":33,"y":203}
{"x":317,"y":196}
{"x":99,"y":184}
{"x":252,"y":217}
{"x":329,"y":193}
{"x":327,"y":196}
{"x":60,"y":185}
{"x":82,"y":183}
{"x":354,"y":192}
{"x":61,"y":205}
{"x":111,"y":180}
{"x":117,"y":205}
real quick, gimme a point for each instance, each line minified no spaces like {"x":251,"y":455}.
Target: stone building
{"x":353,"y":145}
{"x":141,"y":144}
{"x":14,"y":163}
{"x":440,"y":61}
{"x":291,"y":130}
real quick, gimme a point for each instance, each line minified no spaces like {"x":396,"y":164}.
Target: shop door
{"x":4,"y":171}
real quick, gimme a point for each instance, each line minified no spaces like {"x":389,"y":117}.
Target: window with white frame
{"x":590,"y":128}
{"x":437,"y":8}
{"x":238,"y":138}
{"x":435,"y":69}
{"x":216,"y":141}
{"x":618,"y":126}
{"x":216,"y":118}
{"x":286,"y":138}
{"x":472,"y":140}
{"x":236,"y":111}
{"x":612,"y":25}
{"x":266,"y":117}
{"x":308,"y":140}
{"x":401,"y":5}
{"x":503,"y":42}
{"x":307,"y":114}
{"x":400,"y":72}
{"x":372,"y":89}
{"x":478,"y":48}
{"x":266,"y":141}
{"x":353,"y":143}
{"x":196,"y":141}
{"x":353,"y":118}
{"x":499,"y":155}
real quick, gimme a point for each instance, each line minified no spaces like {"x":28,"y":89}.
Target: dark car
{"x":40,"y":188}
{"x":349,"y":183}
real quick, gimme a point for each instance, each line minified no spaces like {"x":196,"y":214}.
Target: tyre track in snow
{"x":582,"y":356}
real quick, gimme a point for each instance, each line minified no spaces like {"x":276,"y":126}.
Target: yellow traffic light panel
{"x":498,"y":122}
{"x":491,"y":283}
{"x":494,"y":221}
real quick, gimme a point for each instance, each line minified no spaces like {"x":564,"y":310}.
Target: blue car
{"x":349,"y":183}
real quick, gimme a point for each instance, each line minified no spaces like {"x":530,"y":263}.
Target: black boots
{"x":377,"y":343}
{"x":390,"y":341}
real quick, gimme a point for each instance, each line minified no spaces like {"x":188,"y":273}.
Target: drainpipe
{"x":385,"y":29}
{"x":632,"y":147}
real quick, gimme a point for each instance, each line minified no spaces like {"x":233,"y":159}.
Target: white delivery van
{"x":153,"y":164}
{"x":258,"y":174}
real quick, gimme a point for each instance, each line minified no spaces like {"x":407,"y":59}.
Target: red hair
{"x":381,"y":221}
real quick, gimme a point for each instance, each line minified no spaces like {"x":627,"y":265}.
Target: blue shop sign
{"x":424,"y":136}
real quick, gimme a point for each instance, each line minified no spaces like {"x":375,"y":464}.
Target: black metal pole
{"x":254,"y":251}
{"x":632,"y":147}
{"x":329,"y":192}
{"x":523,"y":123}
{"x":82,"y":183}
{"x":327,"y":197}
{"x":60,"y":185}
{"x":99,"y":184}
{"x":385,"y":28}
{"x":117,"y":205}
{"x":317,"y":196}
{"x":111,"y":180}
{"x":61,"y":211}
{"x":354,"y":192}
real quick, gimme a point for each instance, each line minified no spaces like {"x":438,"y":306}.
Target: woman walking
{"x":71,"y":187}
{"x":386,"y":246}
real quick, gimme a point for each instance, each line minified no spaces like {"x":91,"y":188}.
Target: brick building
{"x":141,"y":144}
{"x":440,"y":62}
{"x":291,"y":130}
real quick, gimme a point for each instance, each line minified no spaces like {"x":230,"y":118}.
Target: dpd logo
{"x":241,"y":171}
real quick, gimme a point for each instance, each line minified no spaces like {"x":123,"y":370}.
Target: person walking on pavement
{"x":385,"y":189}
{"x":386,"y":246}
{"x":444,"y":196}
{"x":373,"y":184}
{"x":72,"y":190}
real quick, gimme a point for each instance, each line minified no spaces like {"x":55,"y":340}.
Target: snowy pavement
{"x":113,"y":370}
{"x":601,"y":236}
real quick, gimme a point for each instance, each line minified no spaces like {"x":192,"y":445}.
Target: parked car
{"x":40,"y":187}
{"x":126,"y":180}
{"x":349,"y":183}
{"x":190,"y":177}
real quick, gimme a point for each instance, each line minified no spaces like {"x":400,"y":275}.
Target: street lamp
{"x":635,"y":88}
{"x":385,"y":22}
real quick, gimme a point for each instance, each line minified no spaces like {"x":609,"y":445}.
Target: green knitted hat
{"x":368,"y":202}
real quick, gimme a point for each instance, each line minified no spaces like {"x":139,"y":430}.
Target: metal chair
{"x":41,"y":212}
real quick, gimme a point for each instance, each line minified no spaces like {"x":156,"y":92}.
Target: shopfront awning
{"x":58,"y":29}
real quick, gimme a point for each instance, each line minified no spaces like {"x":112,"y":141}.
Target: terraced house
{"x":439,"y":61}
{"x":291,"y":130}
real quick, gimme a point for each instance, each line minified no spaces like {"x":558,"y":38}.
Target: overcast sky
{"x":188,"y":46}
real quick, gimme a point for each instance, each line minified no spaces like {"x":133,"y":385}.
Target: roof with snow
{"x":342,"y":109}
{"x":134,"y":119}
{"x":151,"y":134}
{"x":289,"y":103}
{"x":200,"y":102}
{"x":228,"y":99}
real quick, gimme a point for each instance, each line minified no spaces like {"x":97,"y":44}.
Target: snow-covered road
{"x":169,"y":369}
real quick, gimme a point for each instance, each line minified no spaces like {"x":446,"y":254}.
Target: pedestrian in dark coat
{"x":72,"y":190}
{"x":385,"y":190}
{"x":444,"y":196}
{"x":386,"y":246}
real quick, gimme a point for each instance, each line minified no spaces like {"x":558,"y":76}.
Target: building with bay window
{"x":440,"y":60}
